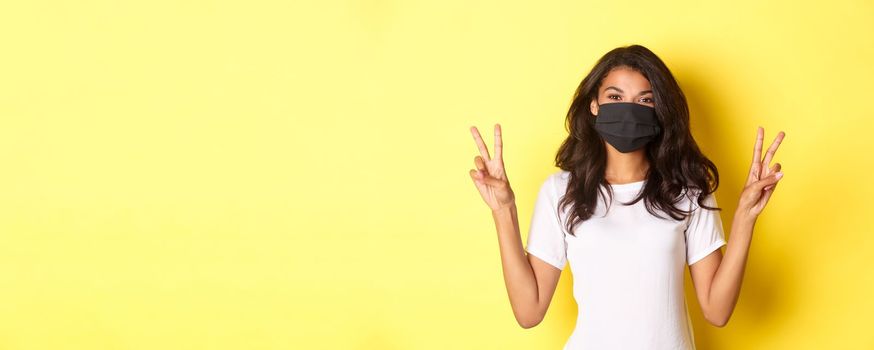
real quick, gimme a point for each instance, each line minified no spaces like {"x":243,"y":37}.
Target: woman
{"x":632,"y":205}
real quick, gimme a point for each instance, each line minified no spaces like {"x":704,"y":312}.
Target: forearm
{"x":519,"y":277}
{"x":726,"y":284}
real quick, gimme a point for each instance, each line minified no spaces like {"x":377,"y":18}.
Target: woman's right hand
{"x":489,"y":176}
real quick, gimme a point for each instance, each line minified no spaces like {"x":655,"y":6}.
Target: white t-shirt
{"x":628,"y":266}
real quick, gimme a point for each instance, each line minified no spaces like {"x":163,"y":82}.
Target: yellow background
{"x":278,"y":175}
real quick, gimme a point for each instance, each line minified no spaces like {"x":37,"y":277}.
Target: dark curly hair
{"x":677,"y":165}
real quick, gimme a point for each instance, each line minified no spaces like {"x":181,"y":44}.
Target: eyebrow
{"x":620,"y":90}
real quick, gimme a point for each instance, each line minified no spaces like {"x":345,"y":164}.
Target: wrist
{"x":505,"y":209}
{"x":744,"y":217}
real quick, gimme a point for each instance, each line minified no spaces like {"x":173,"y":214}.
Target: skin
{"x":531,"y":282}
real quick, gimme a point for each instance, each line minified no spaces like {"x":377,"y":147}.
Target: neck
{"x":626,"y":167}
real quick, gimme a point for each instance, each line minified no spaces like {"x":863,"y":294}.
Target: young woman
{"x":632,"y":205}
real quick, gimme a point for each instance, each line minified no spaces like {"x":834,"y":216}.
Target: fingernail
{"x":779,"y":175}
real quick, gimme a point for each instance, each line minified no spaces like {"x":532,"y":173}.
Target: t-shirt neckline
{"x":628,"y":186}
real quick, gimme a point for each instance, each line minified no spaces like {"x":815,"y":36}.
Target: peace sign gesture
{"x":489,"y":177}
{"x":762,"y":179}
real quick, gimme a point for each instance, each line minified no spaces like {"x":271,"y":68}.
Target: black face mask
{"x":627,"y":126}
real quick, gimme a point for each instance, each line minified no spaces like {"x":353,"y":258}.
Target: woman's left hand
{"x":762,"y":180}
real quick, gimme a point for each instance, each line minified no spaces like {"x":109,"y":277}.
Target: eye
{"x":611,"y":96}
{"x":646,"y":99}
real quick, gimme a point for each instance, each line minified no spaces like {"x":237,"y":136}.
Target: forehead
{"x":626,"y":79}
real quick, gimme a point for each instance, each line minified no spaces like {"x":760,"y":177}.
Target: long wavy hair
{"x":677,"y":165}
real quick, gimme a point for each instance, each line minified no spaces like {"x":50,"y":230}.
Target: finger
{"x":769,"y":180}
{"x":768,"y":193}
{"x":491,"y":181}
{"x":480,"y":164}
{"x":773,"y":148}
{"x":479,"y":143}
{"x":499,"y":143}
{"x":482,"y":178}
{"x":756,"y":164}
{"x":474,"y":175}
{"x":773,"y":169}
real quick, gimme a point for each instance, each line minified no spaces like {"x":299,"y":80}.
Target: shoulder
{"x":554,"y":185}
{"x":558,"y":181}
{"x":559,"y":177}
{"x":691,"y":195}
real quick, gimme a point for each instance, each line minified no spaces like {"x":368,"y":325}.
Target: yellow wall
{"x":276,"y":175}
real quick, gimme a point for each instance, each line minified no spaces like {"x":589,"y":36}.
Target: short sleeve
{"x":546,"y":235}
{"x":704,"y":232}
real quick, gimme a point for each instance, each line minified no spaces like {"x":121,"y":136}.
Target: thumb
{"x":768,"y":180}
{"x":491,"y":181}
